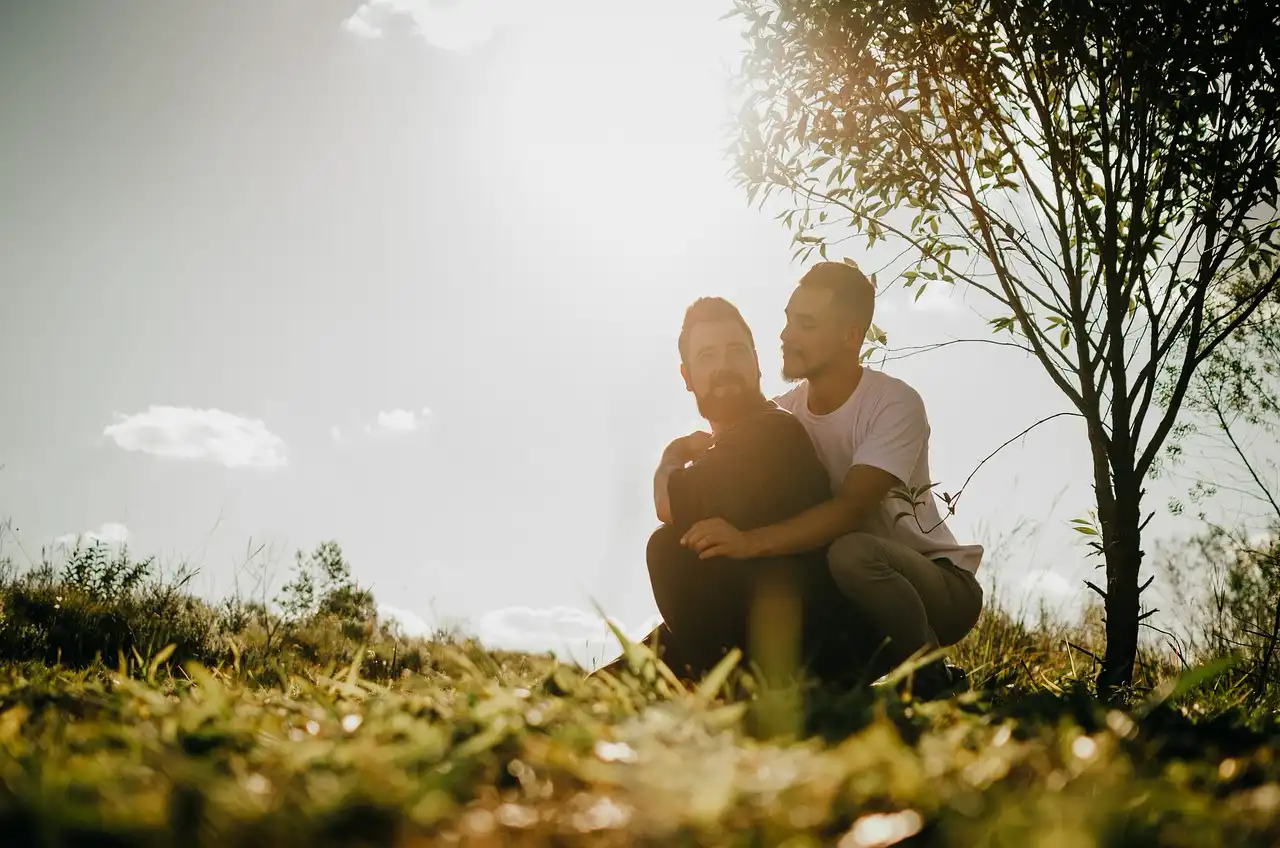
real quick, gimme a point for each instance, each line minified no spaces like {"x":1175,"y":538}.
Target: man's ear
{"x":857,"y":336}
{"x":684,"y":372}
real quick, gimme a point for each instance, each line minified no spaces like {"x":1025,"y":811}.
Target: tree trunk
{"x":1122,"y":543}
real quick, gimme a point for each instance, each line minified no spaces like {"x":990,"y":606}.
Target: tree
{"x":1104,"y":173}
{"x":323,"y":585}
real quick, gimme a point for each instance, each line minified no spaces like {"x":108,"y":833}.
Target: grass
{"x":516,"y":750}
{"x":411,"y":743}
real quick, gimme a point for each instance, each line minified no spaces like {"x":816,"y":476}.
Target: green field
{"x":494,"y":750}
{"x":134,"y":714}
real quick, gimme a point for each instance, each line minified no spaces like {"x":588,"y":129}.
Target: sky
{"x":408,"y":274}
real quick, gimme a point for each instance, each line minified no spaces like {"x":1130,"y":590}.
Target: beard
{"x":794,"y":367}
{"x":797,"y":367}
{"x":737,"y":399}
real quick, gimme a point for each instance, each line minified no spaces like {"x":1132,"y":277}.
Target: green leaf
{"x":353,"y":673}
{"x":1185,"y":682}
{"x":634,"y":652}
{"x":159,"y":659}
{"x":717,"y":677}
{"x":911,"y":665}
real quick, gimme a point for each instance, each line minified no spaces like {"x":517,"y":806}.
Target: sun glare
{"x":619,"y":131}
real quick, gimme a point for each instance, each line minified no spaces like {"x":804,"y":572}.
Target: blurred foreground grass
{"x":309,"y":722}
{"x":480,"y":749}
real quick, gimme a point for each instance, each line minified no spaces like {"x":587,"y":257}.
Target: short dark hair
{"x":709,"y":309}
{"x":850,"y":287}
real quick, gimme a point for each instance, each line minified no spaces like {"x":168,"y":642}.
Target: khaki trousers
{"x":910,"y":600}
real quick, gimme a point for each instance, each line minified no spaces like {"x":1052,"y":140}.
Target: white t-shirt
{"x":883,"y":424}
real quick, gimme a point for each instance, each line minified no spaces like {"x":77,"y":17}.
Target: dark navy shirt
{"x":762,"y":470}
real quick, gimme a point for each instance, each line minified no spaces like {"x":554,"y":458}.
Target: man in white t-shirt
{"x":905,"y":574}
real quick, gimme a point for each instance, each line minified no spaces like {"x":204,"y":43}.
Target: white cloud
{"x":400,"y":420}
{"x":176,"y":432}
{"x":336,"y":434}
{"x":527,"y":628}
{"x":397,"y":422}
{"x":1261,"y":541}
{"x":454,"y":25}
{"x":364,"y":23}
{"x":937,"y":297}
{"x":411,"y":624}
{"x":1041,"y":588}
{"x":567,"y":632}
{"x":1047,"y":583}
{"x":111,"y":534}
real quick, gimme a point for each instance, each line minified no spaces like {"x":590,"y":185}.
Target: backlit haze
{"x":409,"y":275}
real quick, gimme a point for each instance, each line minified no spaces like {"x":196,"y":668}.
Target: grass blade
{"x":718,"y":676}
{"x":1190,"y":679}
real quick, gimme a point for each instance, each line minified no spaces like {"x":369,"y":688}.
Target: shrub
{"x":98,"y":604}
{"x":1237,"y":610}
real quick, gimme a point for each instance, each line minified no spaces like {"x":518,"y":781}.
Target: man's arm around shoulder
{"x":882,"y":462}
{"x":863,"y":488}
{"x":675,"y":457}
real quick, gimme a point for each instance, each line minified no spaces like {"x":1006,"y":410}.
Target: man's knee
{"x":669,"y":562}
{"x":855,"y":558}
{"x":664,"y":548}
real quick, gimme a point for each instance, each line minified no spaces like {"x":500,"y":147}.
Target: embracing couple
{"x":782,"y":529}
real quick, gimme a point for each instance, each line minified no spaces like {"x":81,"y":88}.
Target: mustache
{"x":726,"y":379}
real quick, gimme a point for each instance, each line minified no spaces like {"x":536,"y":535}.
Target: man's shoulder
{"x":769,"y":422}
{"x":777,"y":422}
{"x":889,"y":389}
{"x":772,"y":432}
{"x":769,"y":431}
{"x":792,"y":396}
{"x":886,"y":383}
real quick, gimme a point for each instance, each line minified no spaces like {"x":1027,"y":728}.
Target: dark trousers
{"x":777,"y":610}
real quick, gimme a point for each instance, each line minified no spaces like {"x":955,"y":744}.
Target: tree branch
{"x":955,"y":499}
{"x":913,"y":350}
{"x":1216,"y":407}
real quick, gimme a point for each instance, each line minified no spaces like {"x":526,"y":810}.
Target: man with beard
{"x":756,"y":467}
{"x":897,"y":564}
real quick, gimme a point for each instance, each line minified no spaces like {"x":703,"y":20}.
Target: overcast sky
{"x":409,"y":275}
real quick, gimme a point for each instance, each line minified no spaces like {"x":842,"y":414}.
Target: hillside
{"x":194,"y":730}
